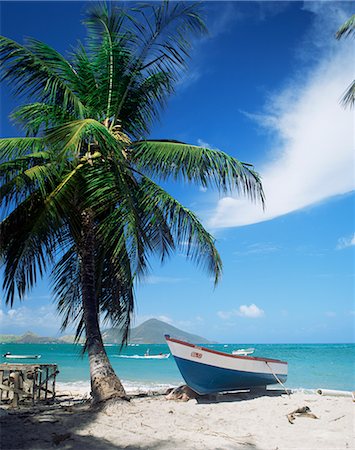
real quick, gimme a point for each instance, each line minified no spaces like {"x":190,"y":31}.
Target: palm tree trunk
{"x":105,"y":384}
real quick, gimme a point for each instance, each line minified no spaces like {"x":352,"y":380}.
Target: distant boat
{"x":243,"y":351}
{"x":9,"y":355}
{"x":147,"y":355}
{"x":207,"y":371}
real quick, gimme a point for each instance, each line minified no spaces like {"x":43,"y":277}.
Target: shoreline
{"x":229,"y":421}
{"x":82,"y":387}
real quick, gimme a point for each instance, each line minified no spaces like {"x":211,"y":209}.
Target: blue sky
{"x":264,"y":86}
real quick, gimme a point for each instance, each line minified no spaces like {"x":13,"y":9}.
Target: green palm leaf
{"x":347,"y":29}
{"x":77,"y":192}
{"x":37,"y":117}
{"x":17,"y":147}
{"x":207,"y":167}
{"x":189,"y":234}
{"x":32,"y":75}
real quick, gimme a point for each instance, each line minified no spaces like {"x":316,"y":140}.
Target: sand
{"x":238,"y":421}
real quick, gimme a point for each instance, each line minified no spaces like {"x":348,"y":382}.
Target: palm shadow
{"x":56,"y":426}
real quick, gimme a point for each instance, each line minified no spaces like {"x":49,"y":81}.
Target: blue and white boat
{"x":206,"y":371}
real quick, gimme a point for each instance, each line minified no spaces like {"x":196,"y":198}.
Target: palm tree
{"x":78,"y":191}
{"x":346,"y":30}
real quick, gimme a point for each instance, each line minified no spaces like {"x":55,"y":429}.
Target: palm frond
{"x":347,"y":29}
{"x":27,"y":246}
{"x":32,"y":75}
{"x":348,"y":98}
{"x":115,"y":289}
{"x":20,"y":146}
{"x":161,"y":45}
{"x":165,"y":159}
{"x":81,"y":136}
{"x":189,"y":234}
{"x":39,"y":116}
{"x":15,"y":189}
{"x":65,"y":282}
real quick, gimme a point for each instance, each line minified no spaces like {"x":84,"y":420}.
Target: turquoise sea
{"x":311,"y":366}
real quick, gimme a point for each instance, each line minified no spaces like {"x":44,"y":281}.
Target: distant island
{"x":151,"y":331}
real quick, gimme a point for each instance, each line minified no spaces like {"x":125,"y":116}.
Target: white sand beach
{"x":245,"y":421}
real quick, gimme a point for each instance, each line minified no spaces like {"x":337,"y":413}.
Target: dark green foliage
{"x":346,"y":30}
{"x":86,"y":120}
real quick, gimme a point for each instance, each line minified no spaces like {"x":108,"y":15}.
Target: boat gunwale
{"x":252,"y":358}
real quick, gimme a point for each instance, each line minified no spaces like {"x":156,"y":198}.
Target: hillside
{"x":152,"y":331}
{"x":32,"y":338}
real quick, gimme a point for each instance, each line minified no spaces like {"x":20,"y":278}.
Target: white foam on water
{"x":131,"y":387}
{"x":160,"y":356}
{"x":74,"y":387}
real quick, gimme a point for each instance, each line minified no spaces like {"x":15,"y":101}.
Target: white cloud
{"x":258,"y":248}
{"x":158,"y":280}
{"x":330,"y":314}
{"x":166,"y":319}
{"x":345,"y":242}
{"x":313,"y":157}
{"x":252,"y":311}
{"x":140,"y":319}
{"x":40,"y":320}
{"x":204,"y":144}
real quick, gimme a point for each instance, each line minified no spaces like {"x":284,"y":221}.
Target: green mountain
{"x":152,"y":331}
{"x":32,"y":338}
{"x":27,"y":338}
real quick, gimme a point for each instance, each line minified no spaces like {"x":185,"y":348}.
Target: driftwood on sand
{"x":304,"y":411}
{"x":181,"y":393}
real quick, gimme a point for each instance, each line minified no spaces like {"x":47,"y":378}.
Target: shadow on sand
{"x":238,"y":396}
{"x":54,"y":426}
{"x":66,"y":425}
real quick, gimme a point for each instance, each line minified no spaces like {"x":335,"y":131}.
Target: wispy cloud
{"x":221,"y":18}
{"x":223,"y":15}
{"x":252,"y":311}
{"x":204,"y":144}
{"x":346,"y":242}
{"x":313,"y":156}
{"x":258,"y":248}
{"x":159,"y":280}
{"x":18,"y":320}
{"x":164,"y":318}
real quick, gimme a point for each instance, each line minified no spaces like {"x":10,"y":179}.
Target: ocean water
{"x":310,"y":366}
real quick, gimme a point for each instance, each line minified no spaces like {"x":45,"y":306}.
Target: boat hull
{"x":207,"y":371}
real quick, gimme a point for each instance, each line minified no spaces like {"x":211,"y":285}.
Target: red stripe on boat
{"x":253,"y":358}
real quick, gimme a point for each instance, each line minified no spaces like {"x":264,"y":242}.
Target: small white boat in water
{"x":243,"y":351}
{"x":147,"y":355}
{"x":8,"y":355}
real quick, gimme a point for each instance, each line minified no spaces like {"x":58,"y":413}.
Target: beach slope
{"x":246,"y":421}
